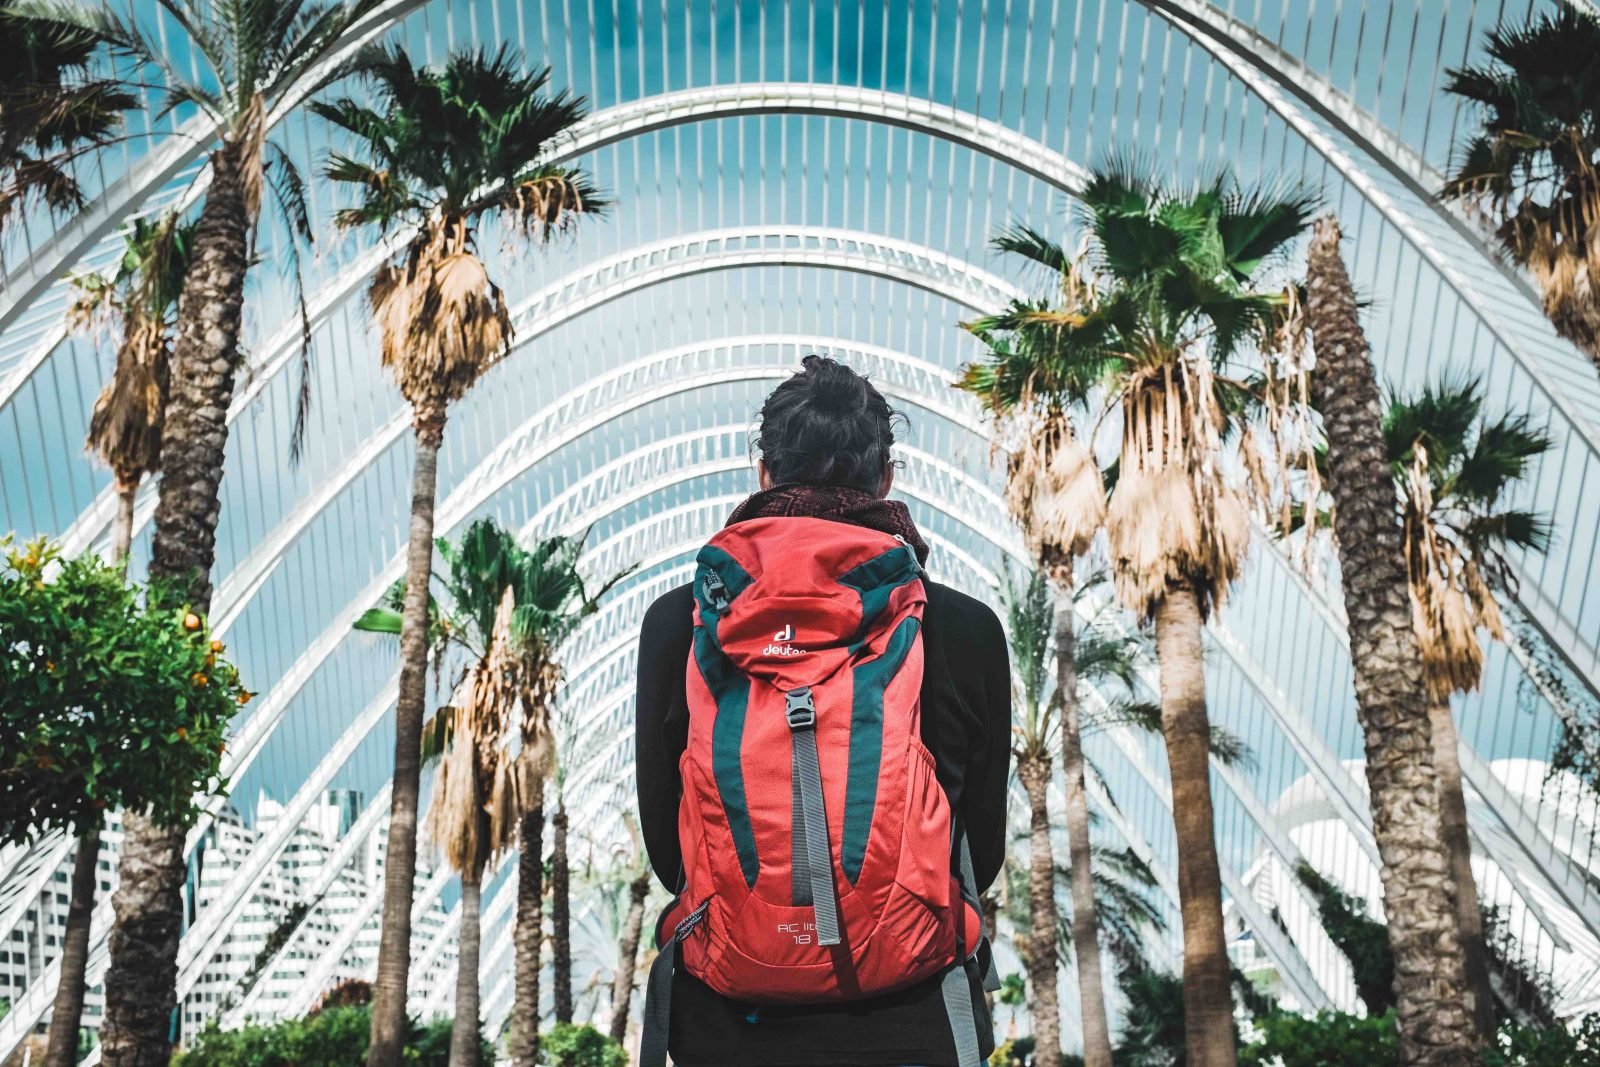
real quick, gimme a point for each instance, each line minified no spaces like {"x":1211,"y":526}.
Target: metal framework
{"x":47,"y":265}
{"x":499,"y":470}
{"x":1375,"y":160}
{"x":360,"y":830}
{"x":601,"y":283}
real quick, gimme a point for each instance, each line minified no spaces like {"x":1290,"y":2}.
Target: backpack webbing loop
{"x":658,"y":993}
{"x":801,"y":713}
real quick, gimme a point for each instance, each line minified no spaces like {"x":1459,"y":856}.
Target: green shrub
{"x":572,"y":1045}
{"x":1328,"y":1039}
{"x":1524,"y":1046}
{"x":333,"y":1037}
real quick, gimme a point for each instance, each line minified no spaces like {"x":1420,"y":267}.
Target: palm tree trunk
{"x":523,"y":1044}
{"x":561,"y":916}
{"x":148,"y":907}
{"x":464,"y":1029}
{"x":1458,"y":849}
{"x":1433,"y":1001}
{"x":1085,"y":921}
{"x":1207,"y":998}
{"x":628,"y":956}
{"x":122,"y":539}
{"x":67,"y":1013}
{"x":141,"y":982}
{"x":400,"y":862}
{"x":1033,"y":770}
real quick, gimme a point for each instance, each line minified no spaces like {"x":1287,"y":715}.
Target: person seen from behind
{"x":823,"y":737}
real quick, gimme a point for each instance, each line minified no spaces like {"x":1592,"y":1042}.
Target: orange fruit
{"x":216,"y":646}
{"x":191,"y":622}
{"x":198,"y":679}
{"x":183,"y":733}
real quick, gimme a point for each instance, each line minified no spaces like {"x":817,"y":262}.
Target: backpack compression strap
{"x":816,"y":855}
{"x":956,"y":987}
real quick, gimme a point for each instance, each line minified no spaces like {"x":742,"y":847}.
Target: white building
{"x":40,"y":921}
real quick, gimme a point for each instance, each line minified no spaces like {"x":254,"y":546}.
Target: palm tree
{"x":474,"y":776}
{"x":522,"y":1044}
{"x":561,"y":907}
{"x":1029,"y":614}
{"x":444,"y":147}
{"x":554,"y":600}
{"x":247,"y":57}
{"x":52,"y":110}
{"x":125,"y":427}
{"x":1055,"y":496}
{"x":1454,"y":469}
{"x":510,"y":608}
{"x":1174,"y":305}
{"x":125,"y":432}
{"x":1531,"y":167}
{"x":1433,"y":1000}
{"x":638,"y":874}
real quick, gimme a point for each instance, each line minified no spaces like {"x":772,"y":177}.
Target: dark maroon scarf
{"x":839,"y":503}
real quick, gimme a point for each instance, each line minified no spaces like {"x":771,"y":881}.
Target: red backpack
{"x":821,"y":862}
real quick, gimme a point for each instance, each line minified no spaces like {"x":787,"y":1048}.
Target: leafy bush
{"x":1016,"y":1052}
{"x":1328,"y":1039}
{"x":333,"y":1037}
{"x":1152,"y":1024}
{"x":1523,"y":1046}
{"x":573,"y":1045}
{"x":1363,"y":939}
{"x":107,"y":699}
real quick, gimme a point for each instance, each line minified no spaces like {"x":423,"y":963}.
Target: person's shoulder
{"x":673,"y":609}
{"x":957,"y":612}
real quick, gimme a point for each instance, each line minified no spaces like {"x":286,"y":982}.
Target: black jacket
{"x":966,"y":724}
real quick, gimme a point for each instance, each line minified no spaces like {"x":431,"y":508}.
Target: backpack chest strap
{"x":816,"y":855}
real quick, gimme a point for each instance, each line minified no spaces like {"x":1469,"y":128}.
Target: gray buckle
{"x":799,"y":709}
{"x":716,"y":591}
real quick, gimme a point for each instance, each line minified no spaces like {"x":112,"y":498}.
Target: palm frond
{"x":288,"y":189}
{"x":1528,"y":530}
{"x":1439,"y":417}
{"x":378,"y":621}
{"x":1025,"y":241}
{"x":546,"y":200}
{"x":1030,"y":618}
{"x":1499,"y":456}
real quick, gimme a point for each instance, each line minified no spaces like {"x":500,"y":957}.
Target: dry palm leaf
{"x":470,"y":806}
{"x":442,"y":322}
{"x":1053,"y":486}
{"x":125,"y":426}
{"x":1173,"y":518}
{"x":1450,"y":600}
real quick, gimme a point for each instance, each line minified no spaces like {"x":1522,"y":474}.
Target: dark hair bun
{"x":836,"y":387}
{"x":827,"y":425}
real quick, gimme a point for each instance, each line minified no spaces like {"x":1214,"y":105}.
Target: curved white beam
{"x":333,"y":868}
{"x":182,"y":149}
{"x":608,"y":280}
{"x":1201,"y":18}
{"x":635,"y":384}
{"x":631,"y":119}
